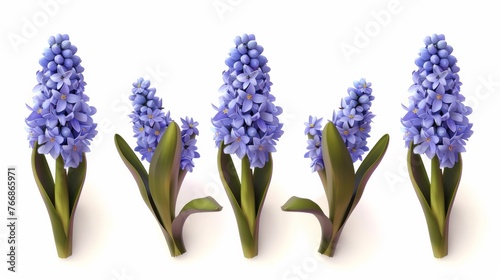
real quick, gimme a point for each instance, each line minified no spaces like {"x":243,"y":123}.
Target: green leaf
{"x":339,"y":173}
{"x":418,"y":174}
{"x":61,"y":196}
{"x":163,"y":174}
{"x":451,"y":180}
{"x":199,"y":205}
{"x":248,"y":194}
{"x":76,"y":178}
{"x":232,"y":186}
{"x":45,"y":183}
{"x":437,"y":193}
{"x":262,"y":179}
{"x":182,"y":175}
{"x":42,"y":174}
{"x":298,"y":204}
{"x":176,"y":249}
{"x":138,"y":172}
{"x":366,"y":169}
{"x":228,"y":173}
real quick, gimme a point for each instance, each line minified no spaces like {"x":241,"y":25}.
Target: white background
{"x":181,"y":47}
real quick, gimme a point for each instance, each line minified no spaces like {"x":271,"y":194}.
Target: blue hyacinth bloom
{"x":436,"y":119}
{"x":61,"y":120}
{"x":353,"y":121}
{"x":150,"y":122}
{"x":247,"y":120}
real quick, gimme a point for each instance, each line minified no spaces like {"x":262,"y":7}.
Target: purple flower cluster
{"x":436,"y":119}
{"x":246,"y":119}
{"x":150,"y":123}
{"x":314,"y":152}
{"x":189,"y":131}
{"x":60,"y":120}
{"x":352,"y":121}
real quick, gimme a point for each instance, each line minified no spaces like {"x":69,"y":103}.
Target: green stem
{"x":176,"y":247}
{"x":437,"y":194}
{"x":64,"y":246}
{"x":61,"y":194}
{"x":439,"y":245}
{"x":247,"y":194}
{"x":328,"y":249}
{"x":250,"y":249}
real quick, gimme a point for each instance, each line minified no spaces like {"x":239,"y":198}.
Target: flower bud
{"x":441,"y":44}
{"x":51,"y":40}
{"x":59,"y":59}
{"x":65,"y":131}
{"x":238,"y":66}
{"x":253,"y":53}
{"x":252,"y":44}
{"x":443,"y":53}
{"x":56,"y":49}
{"x":449,"y":49}
{"x":251,"y":131}
{"x":244,"y":38}
{"x":363,"y":99}
{"x":242,"y":49}
{"x":428,"y":66}
{"x":441,"y":132}
{"x":419,"y":62}
{"x":424,"y":54}
{"x":79,"y":69}
{"x":435,"y":59}
{"x":59,"y":38}
{"x":245,"y":59}
{"x":65,"y":44}
{"x":431,"y":49}
{"x":52,"y":66}
{"x":139,"y":99}
{"x":434,"y":38}
{"x":444,"y":63}
{"x":68,"y":63}
{"x":262,"y":60}
{"x":237,"y":40}
{"x":229,"y":62}
{"x":259,"y":48}
{"x":352,"y":94}
{"x":43,"y":62}
{"x":452,"y":60}
{"x":254,"y":63}
{"x":67,"y":53}
{"x":76,"y":60}
{"x":48,"y":54}
{"x":427,"y":40}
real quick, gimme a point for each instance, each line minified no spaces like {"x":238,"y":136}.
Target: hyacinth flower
{"x":60,"y":124}
{"x":169,"y":150}
{"x":246,"y":124}
{"x":436,"y":124}
{"x":333,"y":151}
